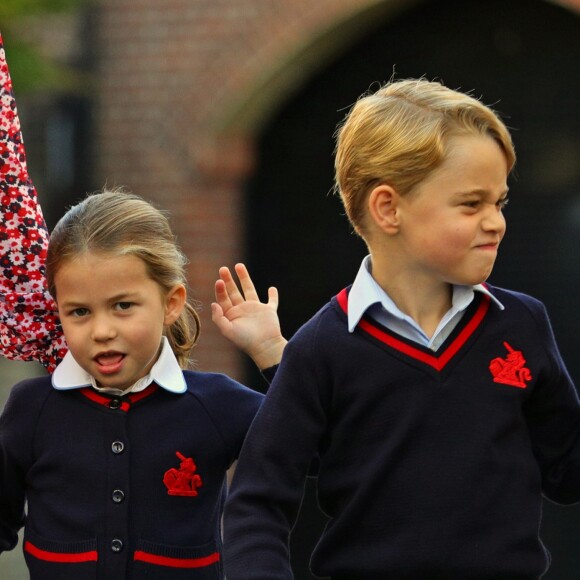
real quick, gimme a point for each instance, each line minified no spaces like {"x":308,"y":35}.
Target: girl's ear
{"x":383,"y":205}
{"x":174,"y":304}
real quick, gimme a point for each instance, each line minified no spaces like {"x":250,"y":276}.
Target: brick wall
{"x":172,"y":76}
{"x":183,"y":86}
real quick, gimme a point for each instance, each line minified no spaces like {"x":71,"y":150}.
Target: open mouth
{"x":109,"y":362}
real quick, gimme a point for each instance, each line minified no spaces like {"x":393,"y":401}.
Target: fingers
{"x":218,"y":318}
{"x":234,"y":296}
{"x":229,"y":294}
{"x":273,"y":297}
{"x":222,"y":295}
{"x":246,"y":283}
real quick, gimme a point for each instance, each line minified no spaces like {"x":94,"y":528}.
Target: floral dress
{"x":29,"y":324}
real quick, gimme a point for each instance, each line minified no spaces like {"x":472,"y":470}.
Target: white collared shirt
{"x":367,"y":295}
{"x":166,"y":373}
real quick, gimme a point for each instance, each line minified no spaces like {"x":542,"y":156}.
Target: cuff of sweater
{"x":269,"y":373}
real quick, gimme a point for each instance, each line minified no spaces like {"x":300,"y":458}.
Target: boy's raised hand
{"x":252,"y":325}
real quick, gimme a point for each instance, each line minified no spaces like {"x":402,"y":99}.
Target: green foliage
{"x":30,"y":70}
{"x":14,"y":8}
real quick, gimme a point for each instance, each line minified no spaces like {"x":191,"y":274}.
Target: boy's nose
{"x":494,"y":220}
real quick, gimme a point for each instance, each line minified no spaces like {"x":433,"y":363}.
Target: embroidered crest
{"x":511,"y":370}
{"x":183,"y":481}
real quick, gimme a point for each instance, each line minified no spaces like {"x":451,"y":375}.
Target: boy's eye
{"x":123,"y":305}
{"x":471,"y":203}
{"x":503,"y":202}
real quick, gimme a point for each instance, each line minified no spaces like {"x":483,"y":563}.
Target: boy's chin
{"x":474,"y":280}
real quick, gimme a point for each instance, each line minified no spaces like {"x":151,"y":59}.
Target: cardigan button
{"x":116,"y":545}
{"x":114,"y":403}
{"x":117,"y":447}
{"x":118,"y":495}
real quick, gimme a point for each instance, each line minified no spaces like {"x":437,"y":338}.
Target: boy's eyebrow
{"x":478,"y":192}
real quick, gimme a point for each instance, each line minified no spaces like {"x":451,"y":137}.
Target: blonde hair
{"x":399,"y":135}
{"x":124,"y":224}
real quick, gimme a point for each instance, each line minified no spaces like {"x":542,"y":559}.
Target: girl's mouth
{"x":109,"y":362}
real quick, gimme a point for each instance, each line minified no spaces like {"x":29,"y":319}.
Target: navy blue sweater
{"x":432,"y":465}
{"x":120,"y":488}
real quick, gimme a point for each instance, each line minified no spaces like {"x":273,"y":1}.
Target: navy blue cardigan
{"x":120,"y":488}
{"x":432,"y":465}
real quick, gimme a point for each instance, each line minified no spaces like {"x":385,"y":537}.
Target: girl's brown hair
{"x":120,"y":223}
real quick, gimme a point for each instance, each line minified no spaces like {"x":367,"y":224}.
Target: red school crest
{"x":511,"y":370}
{"x":183,"y":481}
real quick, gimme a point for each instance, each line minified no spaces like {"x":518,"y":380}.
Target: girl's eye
{"x":79,"y":312}
{"x":502,"y":203}
{"x":123,"y":305}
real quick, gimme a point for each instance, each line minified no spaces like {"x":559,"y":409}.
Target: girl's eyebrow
{"x":72,"y":303}
{"x":120,"y":297}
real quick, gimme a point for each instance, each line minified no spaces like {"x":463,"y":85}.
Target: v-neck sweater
{"x":431,"y":464}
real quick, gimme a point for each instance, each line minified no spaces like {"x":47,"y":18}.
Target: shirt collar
{"x":166,"y":373}
{"x":366,"y":292}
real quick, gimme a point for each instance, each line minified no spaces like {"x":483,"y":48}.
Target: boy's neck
{"x":417,"y":296}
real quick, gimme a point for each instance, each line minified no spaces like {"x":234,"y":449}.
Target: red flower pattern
{"x":29,"y":324}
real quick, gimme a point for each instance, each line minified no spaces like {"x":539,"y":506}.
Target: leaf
{"x":15,"y":8}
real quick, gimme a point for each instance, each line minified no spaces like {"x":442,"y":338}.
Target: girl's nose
{"x":103,"y":329}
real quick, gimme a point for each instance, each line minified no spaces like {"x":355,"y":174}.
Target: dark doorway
{"x":522,"y":57}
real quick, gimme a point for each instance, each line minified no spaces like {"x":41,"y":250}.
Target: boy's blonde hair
{"x":399,"y":135}
{"x":120,"y":223}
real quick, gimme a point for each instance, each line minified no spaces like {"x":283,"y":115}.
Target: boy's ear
{"x":383,"y":207}
{"x":174,"y":304}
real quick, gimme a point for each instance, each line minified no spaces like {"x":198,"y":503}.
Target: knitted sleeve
{"x":268,"y":484}
{"x":17,"y":428}
{"x":29,"y":324}
{"x":553,"y":418}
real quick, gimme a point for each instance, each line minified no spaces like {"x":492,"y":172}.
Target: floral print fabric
{"x":29,"y":324}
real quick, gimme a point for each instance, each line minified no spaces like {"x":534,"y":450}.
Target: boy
{"x":439,"y":408}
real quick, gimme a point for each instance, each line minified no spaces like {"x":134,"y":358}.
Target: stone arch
{"x":283,"y":70}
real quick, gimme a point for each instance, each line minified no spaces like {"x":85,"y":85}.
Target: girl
{"x":120,"y":455}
